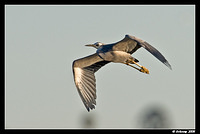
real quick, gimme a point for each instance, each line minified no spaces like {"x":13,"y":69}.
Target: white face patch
{"x":98,"y":44}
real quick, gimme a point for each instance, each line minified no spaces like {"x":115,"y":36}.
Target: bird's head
{"x":95,"y":45}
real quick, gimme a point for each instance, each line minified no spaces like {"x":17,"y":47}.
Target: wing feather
{"x":131,"y":43}
{"x":83,"y":70}
{"x":127,"y":45}
{"x":151,"y":49}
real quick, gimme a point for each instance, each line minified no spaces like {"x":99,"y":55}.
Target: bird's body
{"x":115,"y":56}
{"x":120,"y":52}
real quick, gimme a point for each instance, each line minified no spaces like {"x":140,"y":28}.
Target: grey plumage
{"x":84,"y":78}
{"x":119,"y":52}
{"x":130,"y":44}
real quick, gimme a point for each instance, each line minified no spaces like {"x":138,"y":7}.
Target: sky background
{"x":41,"y":42}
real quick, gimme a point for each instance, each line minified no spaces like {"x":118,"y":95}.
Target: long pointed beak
{"x":89,"y":45}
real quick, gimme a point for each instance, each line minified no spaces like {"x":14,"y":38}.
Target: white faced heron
{"x":120,"y":52}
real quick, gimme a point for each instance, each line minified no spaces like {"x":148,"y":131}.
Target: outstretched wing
{"x":83,"y":70}
{"x":131,"y":43}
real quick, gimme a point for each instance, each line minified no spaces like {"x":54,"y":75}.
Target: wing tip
{"x":168,"y":65}
{"x":90,"y":108}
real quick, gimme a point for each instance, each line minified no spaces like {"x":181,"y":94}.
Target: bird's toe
{"x":144,"y":70}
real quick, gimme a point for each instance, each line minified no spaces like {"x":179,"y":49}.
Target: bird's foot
{"x":144,"y":70}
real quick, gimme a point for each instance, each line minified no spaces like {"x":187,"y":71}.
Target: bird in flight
{"x":119,"y":52}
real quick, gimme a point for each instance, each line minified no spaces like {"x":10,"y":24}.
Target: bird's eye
{"x":97,"y":45}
